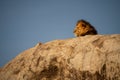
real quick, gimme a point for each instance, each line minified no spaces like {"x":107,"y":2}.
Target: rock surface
{"x":92,"y":57}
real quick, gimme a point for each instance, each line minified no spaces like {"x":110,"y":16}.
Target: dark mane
{"x":84,"y":21}
{"x":87,"y":23}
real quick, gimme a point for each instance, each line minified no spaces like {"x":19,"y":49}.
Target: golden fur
{"x":84,"y":28}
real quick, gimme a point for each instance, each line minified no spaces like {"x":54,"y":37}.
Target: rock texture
{"x":92,"y":57}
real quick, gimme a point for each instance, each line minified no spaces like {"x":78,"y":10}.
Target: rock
{"x":92,"y":57}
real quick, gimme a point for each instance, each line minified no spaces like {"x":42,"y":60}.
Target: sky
{"x":24,"y":23}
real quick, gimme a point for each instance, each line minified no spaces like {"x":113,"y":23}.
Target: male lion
{"x":84,"y":28}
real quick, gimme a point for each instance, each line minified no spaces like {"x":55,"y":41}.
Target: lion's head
{"x":84,"y":28}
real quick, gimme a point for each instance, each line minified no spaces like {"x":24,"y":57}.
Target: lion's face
{"x":82,"y":29}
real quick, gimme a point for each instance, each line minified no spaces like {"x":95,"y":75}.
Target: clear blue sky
{"x":24,"y":23}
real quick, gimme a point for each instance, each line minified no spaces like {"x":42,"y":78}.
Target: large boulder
{"x":92,"y":57}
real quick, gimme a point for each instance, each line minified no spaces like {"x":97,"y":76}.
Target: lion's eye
{"x":83,"y":25}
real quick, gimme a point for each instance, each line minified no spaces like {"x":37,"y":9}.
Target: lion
{"x":84,"y":28}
